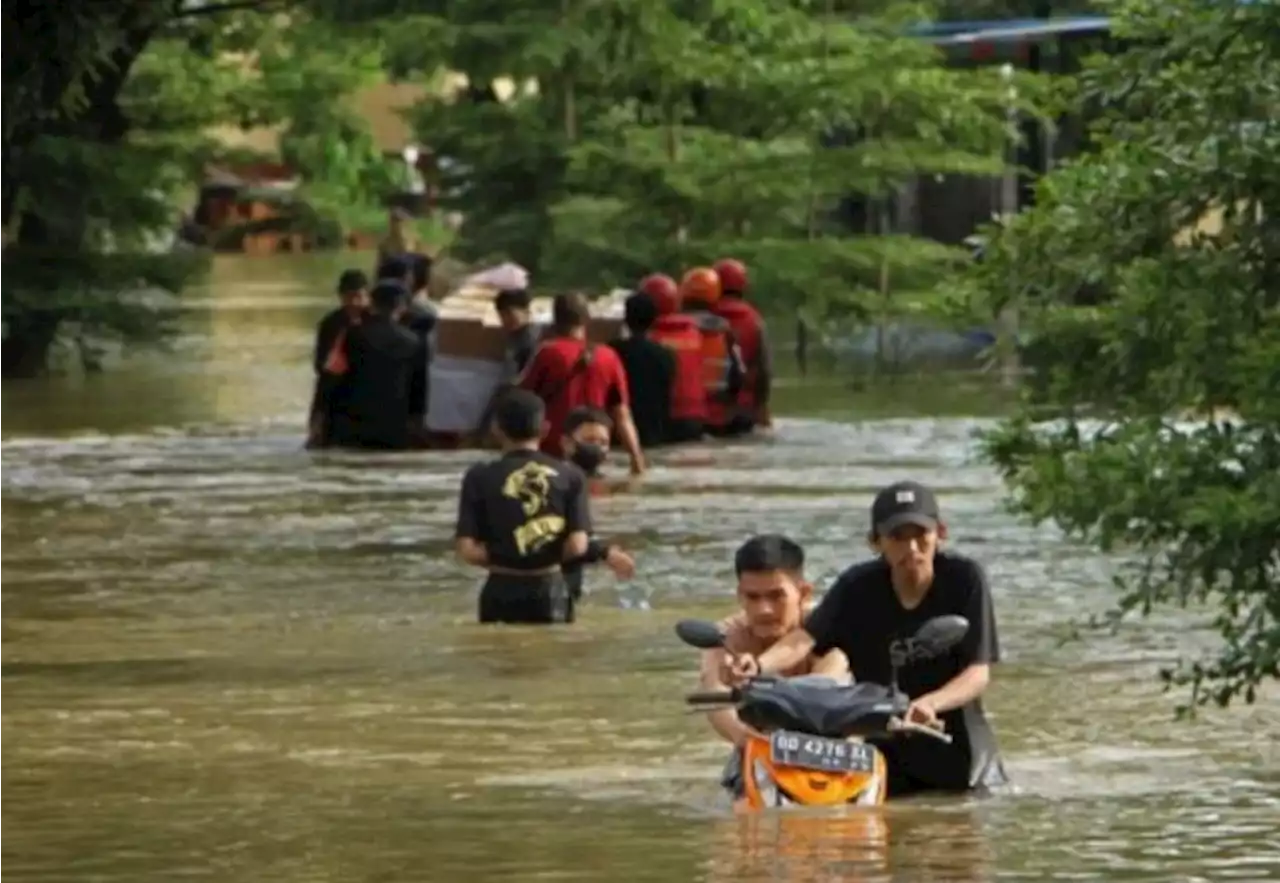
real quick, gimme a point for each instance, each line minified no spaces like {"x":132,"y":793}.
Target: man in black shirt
{"x":513,"y":305}
{"x":353,"y":299}
{"x":376,"y":402}
{"x":651,"y":370}
{"x":875,"y":607}
{"x":418,"y":317}
{"x":520,"y":517}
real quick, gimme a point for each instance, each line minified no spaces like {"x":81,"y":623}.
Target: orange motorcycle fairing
{"x":806,"y":787}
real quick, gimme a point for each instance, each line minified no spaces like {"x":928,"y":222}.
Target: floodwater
{"x":228,"y":659}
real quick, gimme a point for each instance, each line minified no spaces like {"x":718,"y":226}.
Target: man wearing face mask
{"x":872,"y":610}
{"x":586,"y":445}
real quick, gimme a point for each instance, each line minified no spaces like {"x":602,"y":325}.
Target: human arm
{"x":723,"y":720}
{"x":469,"y":533}
{"x":577,"y":518}
{"x":617,"y":560}
{"x":619,"y":403}
{"x":833,"y":664}
{"x":979,"y":650}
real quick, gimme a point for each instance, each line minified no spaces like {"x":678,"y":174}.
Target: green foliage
{"x":660,"y":135}
{"x":1187,"y":316}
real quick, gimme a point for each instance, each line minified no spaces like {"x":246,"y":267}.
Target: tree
{"x":1171,"y":224}
{"x":645,"y":136}
{"x":106,"y":119}
{"x":87,"y":192}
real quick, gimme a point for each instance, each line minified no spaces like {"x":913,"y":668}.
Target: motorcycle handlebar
{"x":707,"y":697}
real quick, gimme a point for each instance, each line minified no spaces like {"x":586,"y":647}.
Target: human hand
{"x":622,"y":564}
{"x":922,"y":711}
{"x":742,"y":668}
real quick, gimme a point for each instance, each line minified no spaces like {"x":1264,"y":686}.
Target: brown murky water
{"x":227,"y":659}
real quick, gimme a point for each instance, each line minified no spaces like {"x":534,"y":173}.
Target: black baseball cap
{"x":352,"y":280}
{"x":904,"y":502}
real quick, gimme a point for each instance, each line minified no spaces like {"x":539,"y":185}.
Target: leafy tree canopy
{"x":1171,"y":225}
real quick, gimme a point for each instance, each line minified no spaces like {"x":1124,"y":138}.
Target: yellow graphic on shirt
{"x":531,"y":485}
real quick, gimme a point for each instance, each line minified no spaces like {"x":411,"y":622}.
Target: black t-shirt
{"x":383,"y":387}
{"x":520,"y":347}
{"x":523,"y":506}
{"x":861,"y":615}
{"x":651,"y":370}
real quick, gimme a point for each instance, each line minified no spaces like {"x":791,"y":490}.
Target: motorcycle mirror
{"x":700,"y":633}
{"x":941,"y":633}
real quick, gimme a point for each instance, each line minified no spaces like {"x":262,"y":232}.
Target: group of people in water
{"x":694,"y":361}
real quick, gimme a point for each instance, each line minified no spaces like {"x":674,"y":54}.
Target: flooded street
{"x":229,"y":659}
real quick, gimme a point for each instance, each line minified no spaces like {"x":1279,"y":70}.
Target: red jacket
{"x":680,"y":334}
{"x":748,"y":329}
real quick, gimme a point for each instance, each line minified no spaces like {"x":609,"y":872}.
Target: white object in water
{"x":503,"y":276}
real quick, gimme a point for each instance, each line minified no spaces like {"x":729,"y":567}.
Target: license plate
{"x":818,"y":753}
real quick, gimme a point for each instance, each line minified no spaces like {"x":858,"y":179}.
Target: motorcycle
{"x":817,"y":742}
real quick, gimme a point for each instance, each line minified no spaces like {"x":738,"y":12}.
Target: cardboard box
{"x":470,"y":339}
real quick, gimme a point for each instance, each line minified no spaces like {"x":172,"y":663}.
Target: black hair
{"x":352,"y":280}
{"x":511,"y":299}
{"x":518,"y":415}
{"x":387,"y":295}
{"x":396,"y":268}
{"x":569,"y":312}
{"x":584,"y":415}
{"x":640,"y":312}
{"x":767,"y":552}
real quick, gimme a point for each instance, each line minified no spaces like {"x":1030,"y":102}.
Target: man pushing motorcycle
{"x":871,"y":611}
{"x":774,"y":597}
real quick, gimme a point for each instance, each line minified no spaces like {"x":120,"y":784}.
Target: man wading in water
{"x":871,"y":612}
{"x":520,"y":517}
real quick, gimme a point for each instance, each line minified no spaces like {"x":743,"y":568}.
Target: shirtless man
{"x":775,"y":599}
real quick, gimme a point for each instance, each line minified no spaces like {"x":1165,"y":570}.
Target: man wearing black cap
{"x":871,"y":611}
{"x":376,"y":400}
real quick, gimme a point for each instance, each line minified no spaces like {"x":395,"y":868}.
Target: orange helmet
{"x":733,"y":275}
{"x":664,"y":291}
{"x":700,"y":284}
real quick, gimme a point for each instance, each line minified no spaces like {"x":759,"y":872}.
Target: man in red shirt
{"x":749,"y":331}
{"x":568,"y":372}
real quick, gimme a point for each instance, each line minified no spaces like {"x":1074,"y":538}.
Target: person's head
{"x":388,"y":298}
{"x":664,"y":291}
{"x":353,"y":290}
{"x":519,"y":419}
{"x":771,"y":585}
{"x":397,"y":269}
{"x":733,"y":277}
{"x":512,"y":305}
{"x":397,"y":218}
{"x":906,"y":527}
{"x":570,"y":314}
{"x":639,"y":314}
{"x":700,"y":288}
{"x":586,"y":438}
